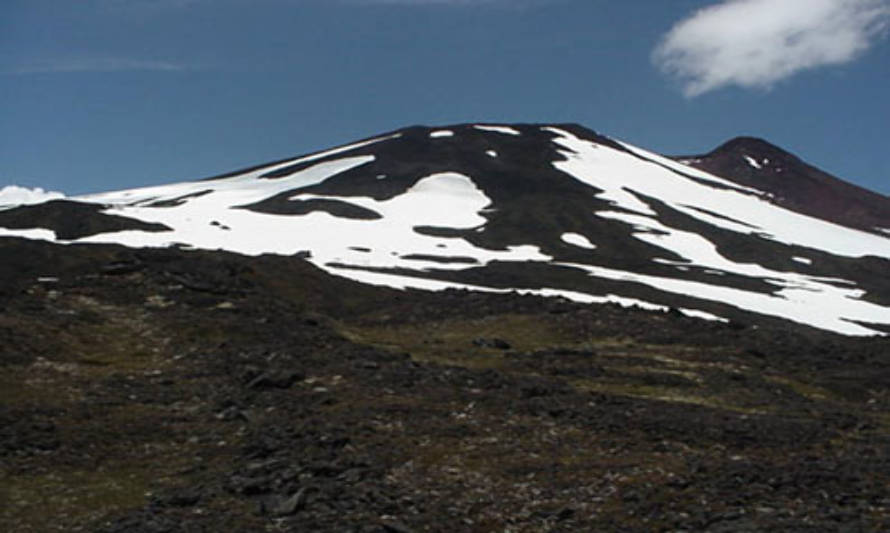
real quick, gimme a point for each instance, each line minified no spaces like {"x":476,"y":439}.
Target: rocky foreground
{"x":162,"y":390}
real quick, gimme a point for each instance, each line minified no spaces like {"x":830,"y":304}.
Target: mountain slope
{"x":548,"y":210}
{"x":794,"y":184}
{"x":156,"y":390}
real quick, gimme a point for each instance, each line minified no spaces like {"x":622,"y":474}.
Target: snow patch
{"x":804,"y":260}
{"x":14,"y":195}
{"x":624,"y":178}
{"x":491,"y":153}
{"x":832,"y":308}
{"x":753,"y":162}
{"x":402,"y":282}
{"x":806,"y":299}
{"x":442,"y":133}
{"x":247,"y":183}
{"x":37,"y":234}
{"x":695,"y":313}
{"x":242,"y":189}
{"x":445,"y":200}
{"x":577,"y":239}
{"x":498,"y":129}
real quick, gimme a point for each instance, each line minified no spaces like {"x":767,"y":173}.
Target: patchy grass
{"x":94,"y":377}
{"x":654,"y":372}
{"x":811,"y":392}
{"x":451,"y":341}
{"x":667,"y":394}
{"x":57,"y":500}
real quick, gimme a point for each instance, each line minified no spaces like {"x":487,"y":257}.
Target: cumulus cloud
{"x":12,"y":195}
{"x":756,"y":43}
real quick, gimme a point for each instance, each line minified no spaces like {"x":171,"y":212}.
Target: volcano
{"x":475,"y":327}
{"x":747,"y":233}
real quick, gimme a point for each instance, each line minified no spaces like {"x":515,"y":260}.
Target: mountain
{"x":260,"y":351}
{"x":747,"y":233}
{"x":795,"y":185}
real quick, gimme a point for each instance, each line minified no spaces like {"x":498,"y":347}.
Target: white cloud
{"x":12,"y":195}
{"x":95,"y":64}
{"x":756,"y":43}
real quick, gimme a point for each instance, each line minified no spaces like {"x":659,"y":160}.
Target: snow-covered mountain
{"x":746,"y":233}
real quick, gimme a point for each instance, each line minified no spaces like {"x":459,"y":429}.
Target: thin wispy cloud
{"x":159,"y":5}
{"x":95,"y":64}
{"x":425,"y":2}
{"x":149,"y":4}
{"x":463,"y":3}
{"x":756,"y":43}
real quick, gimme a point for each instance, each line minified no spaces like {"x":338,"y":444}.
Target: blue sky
{"x":109,"y":94}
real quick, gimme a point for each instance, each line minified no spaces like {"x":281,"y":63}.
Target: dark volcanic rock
{"x":794,"y":184}
{"x":26,"y":433}
{"x":499,"y":344}
{"x":279,"y":379}
{"x":290,"y":505}
{"x":283,"y":205}
{"x":71,"y":220}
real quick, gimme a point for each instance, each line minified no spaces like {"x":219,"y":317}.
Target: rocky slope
{"x":166,"y":390}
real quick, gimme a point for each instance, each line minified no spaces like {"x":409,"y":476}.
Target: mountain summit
{"x":794,"y":184}
{"x":748,"y":232}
